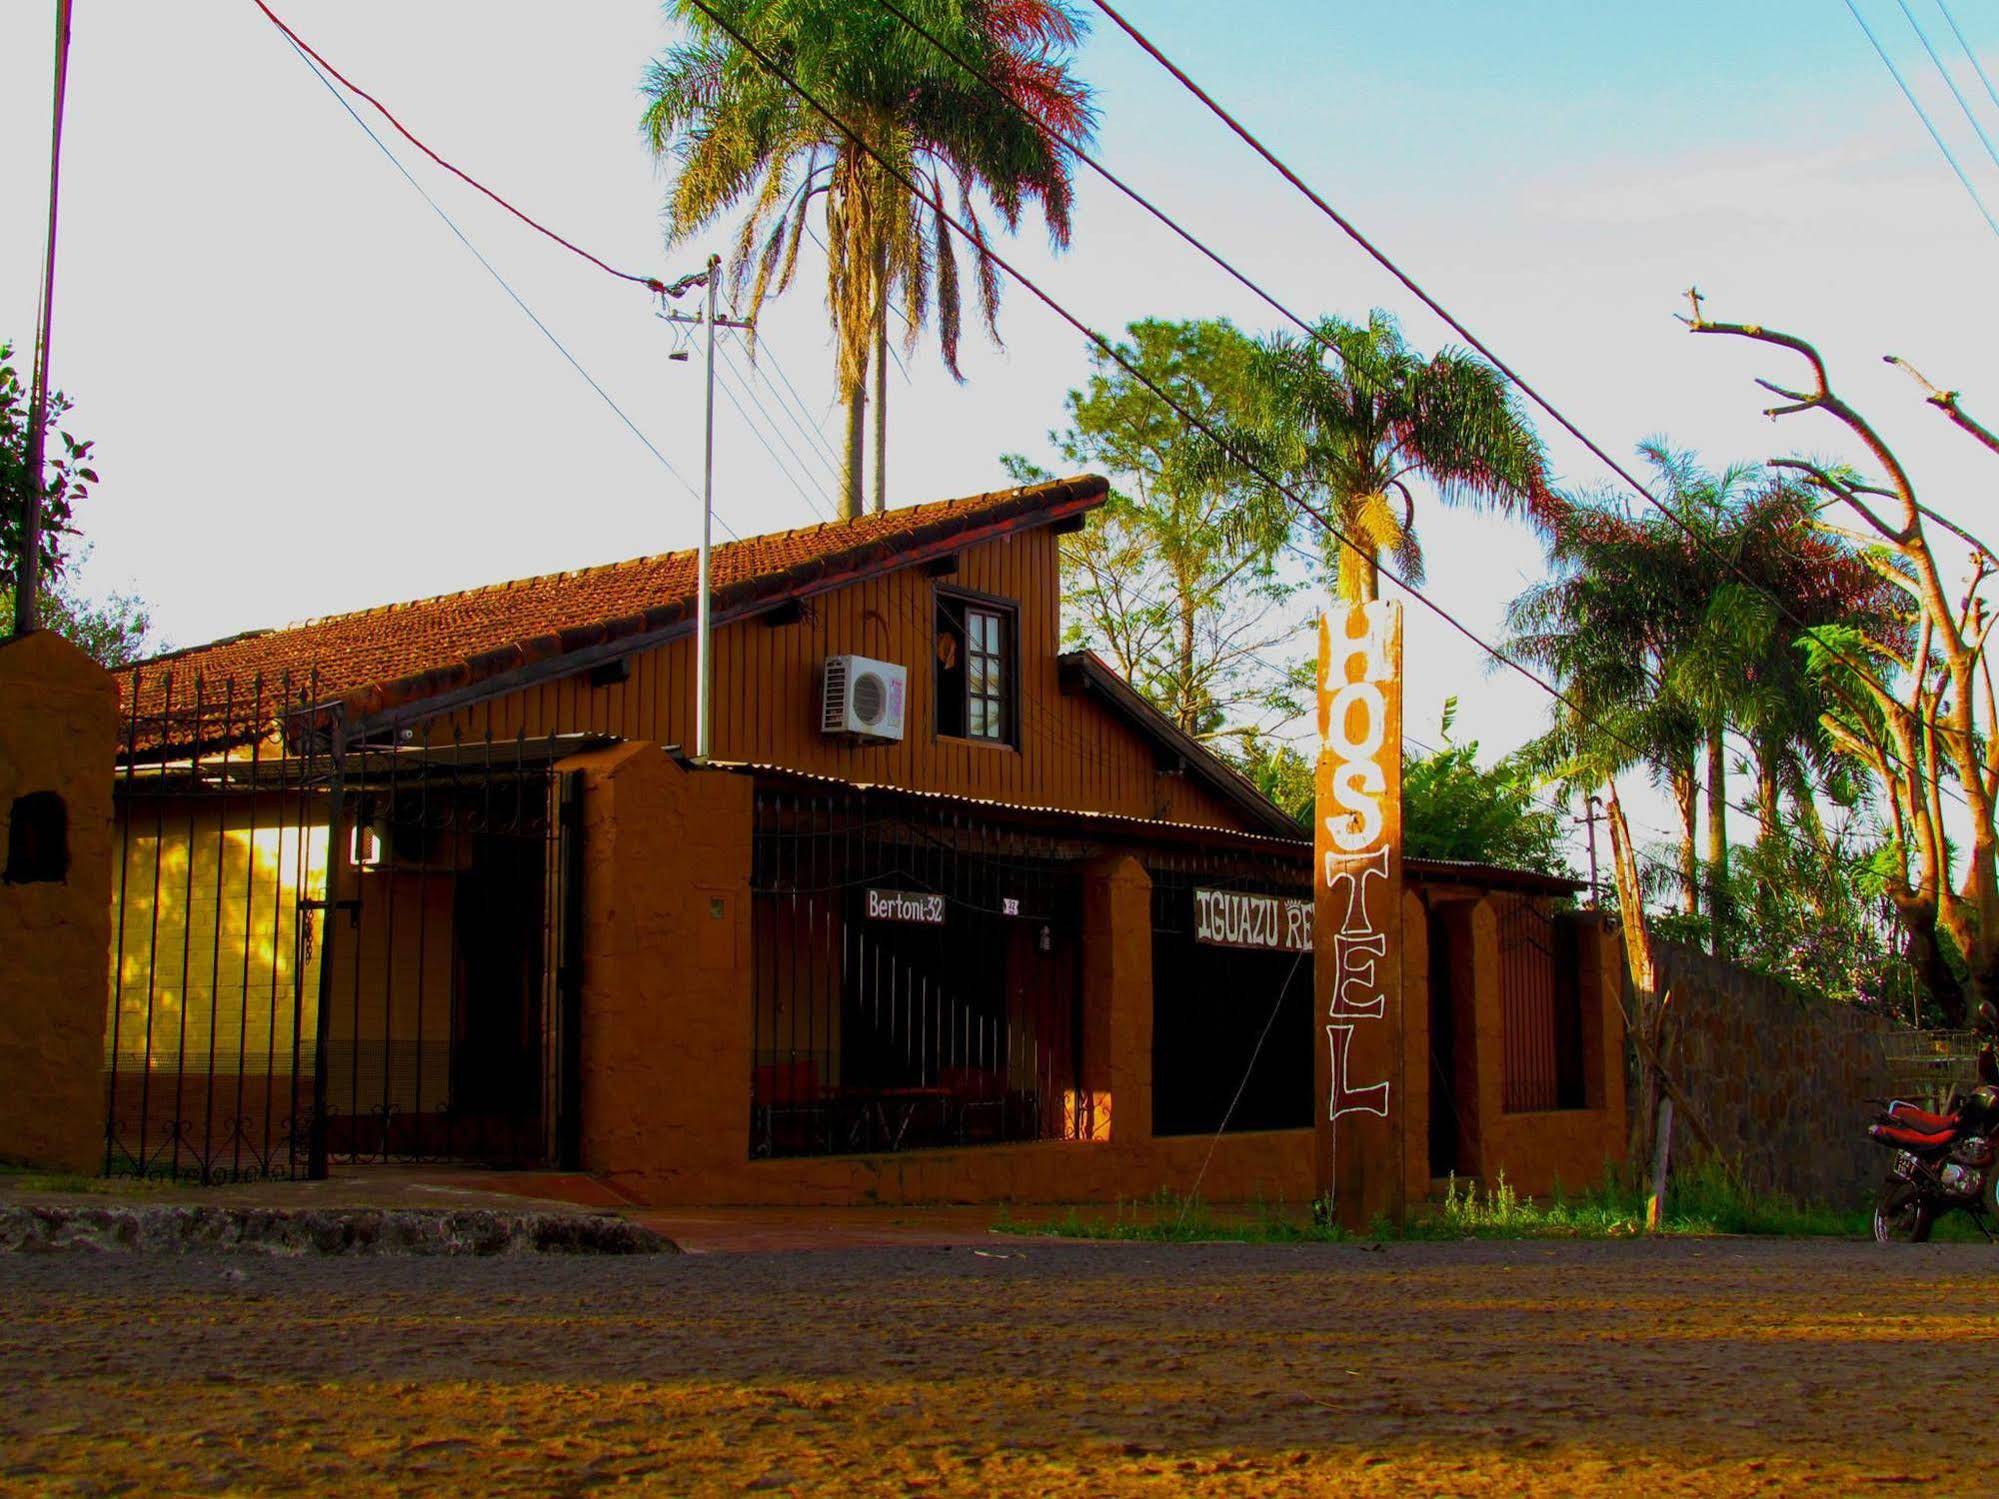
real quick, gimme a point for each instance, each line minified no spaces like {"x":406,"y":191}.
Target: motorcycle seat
{"x":1911,"y":1139}
{"x":1908,"y":1116}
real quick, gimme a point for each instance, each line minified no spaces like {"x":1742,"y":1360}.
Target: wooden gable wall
{"x":1073,"y":752}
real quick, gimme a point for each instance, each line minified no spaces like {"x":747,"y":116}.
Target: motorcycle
{"x":1942,"y":1161}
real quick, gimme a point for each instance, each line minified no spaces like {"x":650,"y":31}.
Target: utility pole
{"x":704,"y":673}
{"x":28,"y":579}
{"x":1592,"y":816}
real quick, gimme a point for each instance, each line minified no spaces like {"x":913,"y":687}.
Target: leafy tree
{"x":64,"y":484}
{"x":1166,"y":581}
{"x":1669,"y":631}
{"x":1454,"y":808}
{"x":743,"y":138}
{"x":1281,"y":772}
{"x":116,"y":629}
{"x":1350,"y":418}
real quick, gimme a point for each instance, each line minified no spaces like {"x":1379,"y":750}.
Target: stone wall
{"x":58,"y":740}
{"x":1778,"y":1076}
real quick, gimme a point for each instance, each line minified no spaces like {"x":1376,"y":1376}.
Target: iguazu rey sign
{"x":906,"y":905}
{"x":1228,"y":918}
{"x":1357,"y":927}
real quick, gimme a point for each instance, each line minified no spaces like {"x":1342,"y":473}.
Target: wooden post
{"x":1357,"y":926}
{"x":1655,"y":1205}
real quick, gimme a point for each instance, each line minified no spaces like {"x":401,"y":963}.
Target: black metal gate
{"x":330,"y":948}
{"x":916,"y":981}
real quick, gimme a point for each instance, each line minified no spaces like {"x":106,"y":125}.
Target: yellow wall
{"x":210,"y":946}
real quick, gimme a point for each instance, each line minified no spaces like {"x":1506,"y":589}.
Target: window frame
{"x":1006,"y":613}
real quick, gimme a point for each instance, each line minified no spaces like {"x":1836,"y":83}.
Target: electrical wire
{"x":1921,"y":114}
{"x":725,"y":367}
{"x":1950,"y":82}
{"x":814,"y":439}
{"x":769,"y":65}
{"x":305,"y":49}
{"x":1076,"y":148}
{"x":504,"y":285}
{"x":1458,"y":327}
{"x":1971,"y":56}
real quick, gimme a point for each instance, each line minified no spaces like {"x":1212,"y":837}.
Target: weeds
{"x":1702,"y":1200}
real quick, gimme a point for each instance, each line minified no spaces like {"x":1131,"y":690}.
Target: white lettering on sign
{"x":1356,"y":674}
{"x":906,"y":905}
{"x":1228,"y":918}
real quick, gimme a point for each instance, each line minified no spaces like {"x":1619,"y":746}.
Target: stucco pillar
{"x":1117,"y":994}
{"x":666,"y":993}
{"x":58,"y":747}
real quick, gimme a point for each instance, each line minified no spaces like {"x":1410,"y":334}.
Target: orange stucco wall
{"x":1568,"y":1147}
{"x":1273,"y":1167}
{"x":1117,"y":998}
{"x":58,"y":732}
{"x":665,"y":1031}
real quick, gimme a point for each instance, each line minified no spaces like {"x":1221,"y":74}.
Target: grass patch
{"x":1169,"y":1218}
{"x":1701,"y":1201}
{"x":29,"y":1179}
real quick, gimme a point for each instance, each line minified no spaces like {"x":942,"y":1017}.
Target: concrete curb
{"x":177,"y":1229}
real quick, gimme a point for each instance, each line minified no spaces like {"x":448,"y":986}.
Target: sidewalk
{"x":694,"y":1230}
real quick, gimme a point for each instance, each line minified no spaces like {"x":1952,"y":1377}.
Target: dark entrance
{"x":1230,"y":1024}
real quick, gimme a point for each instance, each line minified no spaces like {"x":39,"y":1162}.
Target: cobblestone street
{"x":1023,"y":1367}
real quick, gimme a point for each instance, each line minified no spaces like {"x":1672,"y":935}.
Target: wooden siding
{"x":1073,"y":752}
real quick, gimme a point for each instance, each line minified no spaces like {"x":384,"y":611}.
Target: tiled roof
{"x":400,"y":653}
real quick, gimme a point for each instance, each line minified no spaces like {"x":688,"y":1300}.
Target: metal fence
{"x":1539,"y":1008}
{"x":331,"y":947}
{"x":916,"y":979}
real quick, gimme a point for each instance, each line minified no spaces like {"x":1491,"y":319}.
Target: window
{"x":37,"y":839}
{"x":974,"y":670}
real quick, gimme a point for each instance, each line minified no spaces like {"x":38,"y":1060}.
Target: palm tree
{"x":744,"y":138}
{"x":1353,"y":415}
{"x":1607,"y":625}
{"x":1669,"y":631}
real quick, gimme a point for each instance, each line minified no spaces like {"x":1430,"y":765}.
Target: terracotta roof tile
{"x":403,"y":652}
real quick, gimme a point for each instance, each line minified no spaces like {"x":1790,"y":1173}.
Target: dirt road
{"x":1028,"y":1368}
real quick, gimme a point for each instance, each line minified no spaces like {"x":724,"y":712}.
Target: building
{"x":950,"y":913}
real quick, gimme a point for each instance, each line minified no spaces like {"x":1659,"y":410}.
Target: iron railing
{"x":916,"y":980}
{"x":330,"y":947}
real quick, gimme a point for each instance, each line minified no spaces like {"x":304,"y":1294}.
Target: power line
{"x":1458,"y":327}
{"x":306,"y":57}
{"x":765,"y":61}
{"x":1971,"y":56}
{"x":1921,"y":114}
{"x":1076,"y":148}
{"x":305,"y":49}
{"x":1950,"y":82}
{"x":724,"y":365}
{"x":815,"y":440}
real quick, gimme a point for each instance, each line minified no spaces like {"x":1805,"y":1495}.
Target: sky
{"x":309,"y":397}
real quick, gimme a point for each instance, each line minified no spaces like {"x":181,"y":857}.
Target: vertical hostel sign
{"x":1357,"y":913}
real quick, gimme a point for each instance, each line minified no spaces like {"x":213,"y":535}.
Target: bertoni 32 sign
{"x":906,"y":905}
{"x":1228,"y":918}
{"x":1357,"y":858}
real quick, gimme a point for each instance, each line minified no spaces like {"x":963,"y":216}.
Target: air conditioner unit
{"x":863,"y":698}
